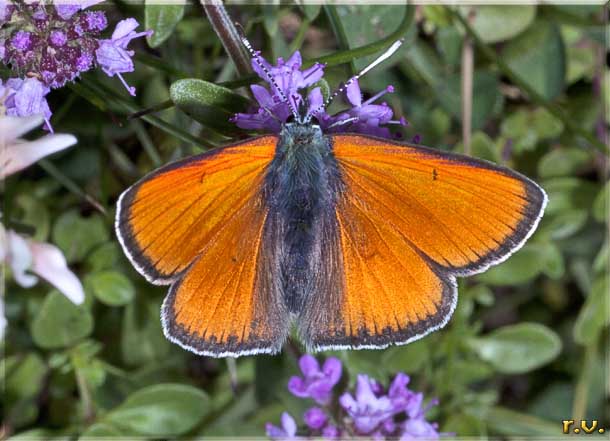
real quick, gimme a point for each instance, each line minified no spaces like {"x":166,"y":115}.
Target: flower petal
{"x":332,"y":370}
{"x":50,"y":264}
{"x":315,"y":418}
{"x":17,"y":156}
{"x":124,"y":27}
{"x":296,"y":387}
{"x":19,"y":257}
{"x":354,"y":95}
{"x":289,"y":425}
{"x":12,"y":127}
{"x":309,"y":365}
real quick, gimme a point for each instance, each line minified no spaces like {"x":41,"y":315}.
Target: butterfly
{"x":357,"y":240}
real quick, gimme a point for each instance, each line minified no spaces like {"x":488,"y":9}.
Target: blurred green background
{"x":528,"y":344}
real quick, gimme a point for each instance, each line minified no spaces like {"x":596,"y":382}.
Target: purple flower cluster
{"x":52,"y":44}
{"x":371,"y":411}
{"x":271,"y":110}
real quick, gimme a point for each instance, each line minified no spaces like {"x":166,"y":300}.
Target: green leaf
{"x":410,"y":358}
{"x":162,"y":19}
{"x":520,"y":268}
{"x":76,"y":235}
{"x":518,"y":348}
{"x":499,"y":22}
{"x":566,"y":224}
{"x":23,"y":376}
{"x":311,"y":10}
{"x":104,"y":256}
{"x":364,"y":24}
{"x":563,"y":162}
{"x":111,"y":288}
{"x":35,"y":213}
{"x":487,"y":98}
{"x":593,"y":316}
{"x":510,"y":422}
{"x":482,"y":146}
{"x":207,"y":103}
{"x":568,"y":193}
{"x":99,"y":431}
{"x":142,"y":340}
{"x":538,"y":56}
{"x":60,"y":323}
{"x":162,"y":410}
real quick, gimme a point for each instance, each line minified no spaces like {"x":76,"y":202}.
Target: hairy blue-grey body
{"x":301,"y":187}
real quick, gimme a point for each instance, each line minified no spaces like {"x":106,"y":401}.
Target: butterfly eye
{"x":291,"y":119}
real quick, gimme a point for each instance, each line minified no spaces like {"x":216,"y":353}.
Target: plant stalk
{"x":227,"y":33}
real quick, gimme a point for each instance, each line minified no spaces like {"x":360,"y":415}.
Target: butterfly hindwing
{"x":411,"y":219}
{"x":198,"y":224}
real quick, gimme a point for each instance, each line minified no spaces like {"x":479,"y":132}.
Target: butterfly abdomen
{"x":299,"y":185}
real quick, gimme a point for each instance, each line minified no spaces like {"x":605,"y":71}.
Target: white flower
{"x":17,"y":154}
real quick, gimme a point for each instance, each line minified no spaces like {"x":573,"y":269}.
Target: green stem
{"x":581,"y":390}
{"x":554,"y":109}
{"x":147,"y":143}
{"x":68,"y":183}
{"x":85,"y":396}
{"x":168,"y":104}
{"x":225,"y":29}
{"x":297,"y":42}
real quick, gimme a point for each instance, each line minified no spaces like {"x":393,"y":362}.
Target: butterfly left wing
{"x":408,"y":221}
{"x":198,"y":224}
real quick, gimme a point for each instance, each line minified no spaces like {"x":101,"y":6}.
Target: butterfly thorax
{"x":301,"y":187}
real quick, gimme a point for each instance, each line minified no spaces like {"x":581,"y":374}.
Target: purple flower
{"x":26,"y":98}
{"x":58,"y":38}
{"x":67,"y":10}
{"x":22,"y":41}
{"x":287,"y":431}
{"x":2,"y":50}
{"x":401,"y":397}
{"x":316,"y":383}
{"x":315,"y":418}
{"x":366,"y":410}
{"x":364,"y":116}
{"x":272,"y":110}
{"x":331,"y":432}
{"x":113,"y":56}
{"x":418,"y":428}
{"x":6,"y":11}
{"x":95,"y":21}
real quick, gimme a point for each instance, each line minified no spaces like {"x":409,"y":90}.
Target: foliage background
{"x":527,"y":346}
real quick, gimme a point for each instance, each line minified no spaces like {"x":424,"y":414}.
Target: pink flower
{"x":17,"y":154}
{"x":29,"y":259}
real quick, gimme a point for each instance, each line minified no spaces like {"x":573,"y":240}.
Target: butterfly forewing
{"x":198,"y":224}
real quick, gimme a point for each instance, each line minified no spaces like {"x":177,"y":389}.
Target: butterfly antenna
{"x":387,"y":54}
{"x":258,"y":60}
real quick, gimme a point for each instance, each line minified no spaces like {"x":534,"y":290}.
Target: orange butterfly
{"x":356,"y":239}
